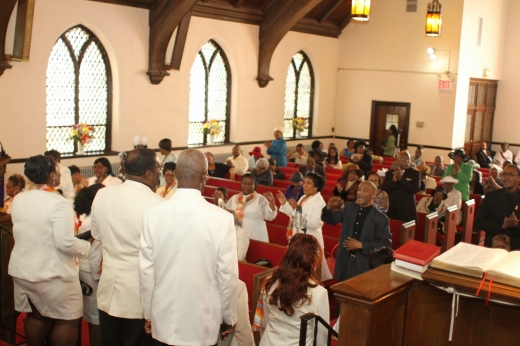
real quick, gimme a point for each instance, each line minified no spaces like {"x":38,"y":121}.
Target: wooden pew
{"x":253,"y":276}
{"x":426,"y":228}
{"x":468,"y":216}
{"x":277,"y":234}
{"x":407,"y":232}
{"x":259,"y":249}
{"x":450,"y":226}
{"x":329,"y":244}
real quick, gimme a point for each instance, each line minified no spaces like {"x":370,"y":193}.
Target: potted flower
{"x":299,"y":125}
{"x":82,"y":134}
{"x":211,"y":128}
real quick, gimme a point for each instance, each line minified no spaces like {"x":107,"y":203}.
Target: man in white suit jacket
{"x":188,"y":262}
{"x":117,"y":221}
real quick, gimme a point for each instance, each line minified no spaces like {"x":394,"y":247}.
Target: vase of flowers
{"x":211,"y":128}
{"x":299,"y":125}
{"x":82,"y":134}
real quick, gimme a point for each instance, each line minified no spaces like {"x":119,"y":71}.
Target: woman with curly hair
{"x":43,"y":260}
{"x":90,"y":267}
{"x":15,"y":185}
{"x":292,"y":291}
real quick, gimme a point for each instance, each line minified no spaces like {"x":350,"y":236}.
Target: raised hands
{"x":334,"y":202}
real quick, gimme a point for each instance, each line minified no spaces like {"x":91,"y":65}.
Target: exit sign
{"x":444,"y":84}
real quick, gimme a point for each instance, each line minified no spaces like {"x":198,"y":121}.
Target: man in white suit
{"x":188,"y":263}
{"x":117,"y":221}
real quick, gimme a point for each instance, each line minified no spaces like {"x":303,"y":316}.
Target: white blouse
{"x":170,"y":193}
{"x":109,"y":181}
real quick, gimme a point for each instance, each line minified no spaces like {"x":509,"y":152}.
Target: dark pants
{"x":158,"y":343}
{"x":117,"y":331}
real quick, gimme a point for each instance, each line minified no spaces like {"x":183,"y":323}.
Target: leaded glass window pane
{"x":78,"y":90}
{"x":299,"y":94}
{"x":209,"y":94}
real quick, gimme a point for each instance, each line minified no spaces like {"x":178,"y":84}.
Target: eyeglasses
{"x":507,"y":174}
{"x":403,"y":159}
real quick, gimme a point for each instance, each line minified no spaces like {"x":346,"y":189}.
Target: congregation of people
{"x":145,"y":257}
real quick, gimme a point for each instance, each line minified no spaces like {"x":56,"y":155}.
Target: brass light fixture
{"x":360,"y":10}
{"x":434,"y":19}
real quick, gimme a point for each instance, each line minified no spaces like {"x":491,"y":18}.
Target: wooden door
{"x":385,"y":114}
{"x":480,"y":115}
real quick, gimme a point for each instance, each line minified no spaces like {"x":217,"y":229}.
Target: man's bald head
{"x":191,"y":164}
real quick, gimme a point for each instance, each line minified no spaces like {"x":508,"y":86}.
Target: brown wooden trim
{"x":6,"y":8}
{"x":238,"y":3}
{"x":23,"y":30}
{"x":510,"y":144}
{"x":328,"y":11}
{"x":132,"y":3}
{"x":180,"y":42}
{"x":345,"y":21}
{"x":267,"y":5}
{"x":433,"y":147}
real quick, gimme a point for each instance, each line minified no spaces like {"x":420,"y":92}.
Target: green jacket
{"x":464,"y":177}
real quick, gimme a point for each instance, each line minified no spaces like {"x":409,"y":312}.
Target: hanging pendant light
{"x":434,"y":19}
{"x":360,"y":10}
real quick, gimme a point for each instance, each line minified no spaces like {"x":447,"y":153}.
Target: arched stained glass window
{"x":210,"y":90}
{"x":299,"y":96}
{"x":78,"y":91}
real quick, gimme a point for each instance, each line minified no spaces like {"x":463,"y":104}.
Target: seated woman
{"x":350,"y":149}
{"x":381,"y":198}
{"x":292,"y":291}
{"x":438,"y":168}
{"x":434,"y":203}
{"x":252,"y":208}
{"x":254,"y":156}
{"x":493,"y":182}
{"x":78,"y":180}
{"x":475,"y":185}
{"x":295,"y":191}
{"x":15,"y":185}
{"x":220,"y":197}
{"x":361,"y":157}
{"x":277,"y":172}
{"x":170,"y":187}
{"x":43,"y":261}
{"x":262,"y":174}
{"x":332,"y":160}
{"x":348,"y":184}
{"x":89,"y":267}
{"x":218,"y":169}
{"x":103,"y":173}
{"x":298,"y":155}
{"x":312,"y":203}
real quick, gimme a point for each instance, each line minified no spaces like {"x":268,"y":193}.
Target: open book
{"x":473,"y":260}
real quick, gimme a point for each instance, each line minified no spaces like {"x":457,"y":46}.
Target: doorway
{"x":385,"y":114}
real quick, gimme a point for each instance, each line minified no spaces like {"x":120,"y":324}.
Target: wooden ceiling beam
{"x":276,"y":24}
{"x":6,"y":9}
{"x":132,"y":3}
{"x":328,"y":11}
{"x":180,"y":41}
{"x":238,"y":3}
{"x":165,"y":16}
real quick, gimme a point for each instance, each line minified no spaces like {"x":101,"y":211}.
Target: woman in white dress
{"x":292,"y":291}
{"x":89,"y":267}
{"x":312,"y":204}
{"x":103,"y":173}
{"x":170,"y":186}
{"x":43,"y":261}
{"x":253,"y":208}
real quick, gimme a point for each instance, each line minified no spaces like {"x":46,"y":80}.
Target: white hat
{"x":137,"y":140}
{"x":144,"y":141}
{"x":449,"y":179}
{"x":278,"y":129}
{"x":382,"y":172}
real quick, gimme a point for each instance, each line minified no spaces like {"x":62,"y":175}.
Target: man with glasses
{"x":499,"y":211}
{"x":401,"y":184}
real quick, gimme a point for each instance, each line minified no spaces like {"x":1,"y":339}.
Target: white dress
{"x":311,"y":212}
{"x":284,"y":330}
{"x":109,"y":181}
{"x":255,"y":212}
{"x":170,"y":193}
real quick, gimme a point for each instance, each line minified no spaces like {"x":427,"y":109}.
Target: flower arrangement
{"x":211,"y":127}
{"x":82,"y":133}
{"x":299,"y":123}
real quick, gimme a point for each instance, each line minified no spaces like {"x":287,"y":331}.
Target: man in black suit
{"x":499,"y":211}
{"x":401,"y":184}
{"x":312,"y":167}
{"x":364,"y":228}
{"x":484,"y":156}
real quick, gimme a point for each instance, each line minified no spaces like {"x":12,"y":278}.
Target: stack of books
{"x":414,"y":258}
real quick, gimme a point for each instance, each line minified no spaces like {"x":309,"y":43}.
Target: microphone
{"x":298,"y":218}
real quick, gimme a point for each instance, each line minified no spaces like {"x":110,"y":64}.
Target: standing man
{"x":277,"y":148}
{"x":499,"y":211}
{"x":364,"y":229}
{"x":460,"y":171}
{"x":117,"y":221}
{"x":188,"y":261}
{"x":239,"y":162}
{"x":401,"y":184}
{"x":484,"y":156}
{"x":66,"y":186}
{"x":503,"y":155}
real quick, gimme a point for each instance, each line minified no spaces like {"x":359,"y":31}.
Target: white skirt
{"x":90,"y":309}
{"x":55,"y":299}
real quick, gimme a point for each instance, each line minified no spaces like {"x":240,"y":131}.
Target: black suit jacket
{"x":498,"y":205}
{"x":401,"y":194}
{"x":483,"y":160}
{"x":317,"y":169}
{"x":375,"y":234}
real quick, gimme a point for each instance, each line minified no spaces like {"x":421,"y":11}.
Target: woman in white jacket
{"x":43,"y":262}
{"x":312,"y":204}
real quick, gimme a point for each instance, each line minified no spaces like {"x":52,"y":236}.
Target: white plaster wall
{"x":159,"y":111}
